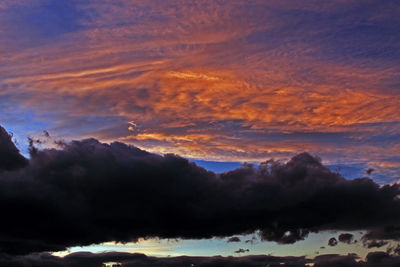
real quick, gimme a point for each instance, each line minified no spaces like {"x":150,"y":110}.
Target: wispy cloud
{"x":211,"y":79}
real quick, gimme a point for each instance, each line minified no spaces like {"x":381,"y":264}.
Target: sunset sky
{"x":219,"y":83}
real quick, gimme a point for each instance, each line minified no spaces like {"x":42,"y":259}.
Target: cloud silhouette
{"x":375,"y":243}
{"x":332,"y":242}
{"x":373,"y":259}
{"x":233,"y":239}
{"x":10,"y":158}
{"x":346,"y":238}
{"x":242,"y":250}
{"x":89,"y":192}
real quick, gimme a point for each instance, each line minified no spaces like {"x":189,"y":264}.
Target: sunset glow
{"x":221,"y":83}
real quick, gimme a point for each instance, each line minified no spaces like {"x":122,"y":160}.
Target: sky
{"x":223,"y":84}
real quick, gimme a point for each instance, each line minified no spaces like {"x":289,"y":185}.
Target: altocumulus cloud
{"x":88,"y":192}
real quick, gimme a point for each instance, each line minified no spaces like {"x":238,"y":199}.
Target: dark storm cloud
{"x":332,"y":242}
{"x":10,"y":158}
{"x":375,"y":243}
{"x":233,"y":239}
{"x":387,"y":232}
{"x":346,"y":238}
{"x":374,"y":259}
{"x":139,"y":260}
{"x":242,"y":250}
{"x":89,"y":192}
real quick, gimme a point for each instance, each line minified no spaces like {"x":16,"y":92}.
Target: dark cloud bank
{"x":10,"y":158}
{"x":87,"y":192}
{"x":85,"y":259}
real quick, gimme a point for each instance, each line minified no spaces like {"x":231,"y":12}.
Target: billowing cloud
{"x":332,"y":242}
{"x":10,"y":158}
{"x":216,"y":79}
{"x":346,"y":238}
{"x":88,"y":192}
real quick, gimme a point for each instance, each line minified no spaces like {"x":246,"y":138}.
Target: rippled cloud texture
{"x":222,"y":80}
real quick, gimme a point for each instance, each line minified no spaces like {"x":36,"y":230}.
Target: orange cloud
{"x":208,"y":80}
